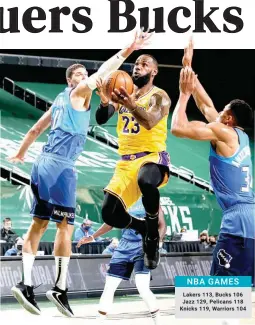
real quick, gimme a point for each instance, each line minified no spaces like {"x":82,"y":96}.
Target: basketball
{"x":116,"y":80}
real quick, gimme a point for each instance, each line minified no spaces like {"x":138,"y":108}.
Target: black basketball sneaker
{"x":25,"y":296}
{"x":59,"y":298}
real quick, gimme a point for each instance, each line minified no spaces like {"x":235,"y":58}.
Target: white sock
{"x":155,"y":317}
{"x":142,"y":282}
{"x":106,"y":300}
{"x":61,"y":271}
{"x":27,"y":265}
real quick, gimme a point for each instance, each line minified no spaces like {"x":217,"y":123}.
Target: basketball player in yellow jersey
{"x":144,"y":163}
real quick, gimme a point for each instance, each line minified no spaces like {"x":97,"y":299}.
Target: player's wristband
{"x":161,"y":244}
{"x":92,"y":237}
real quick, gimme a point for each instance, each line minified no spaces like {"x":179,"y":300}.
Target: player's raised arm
{"x":159,"y":107}
{"x":89,"y":84}
{"x":202,"y":99}
{"x":204,"y":103}
{"x":181,"y":127}
{"x":39,"y":127}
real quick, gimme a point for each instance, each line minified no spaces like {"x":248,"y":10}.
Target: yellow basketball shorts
{"x":124,"y":183}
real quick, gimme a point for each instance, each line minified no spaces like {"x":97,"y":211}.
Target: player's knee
{"x":113,"y":212}
{"x":62,"y":226}
{"x":115,"y":220}
{"x":64,"y":230}
{"x":146,"y":184}
{"x":39,"y":225}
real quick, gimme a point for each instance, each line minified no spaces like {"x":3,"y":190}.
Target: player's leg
{"x":30,"y":247}
{"x":62,"y":252}
{"x":228,"y":261}
{"x":150,"y":177}
{"x":121,"y":192}
{"x":143,"y":286}
{"x":234,"y":253}
{"x":106,"y":299}
{"x":114,"y":214}
{"x":120,"y":269}
{"x":233,"y":256}
{"x":142,"y":280}
{"x":62,"y":194}
{"x":24,"y":291}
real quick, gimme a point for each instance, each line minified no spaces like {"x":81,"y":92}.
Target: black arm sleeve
{"x":104,"y":113}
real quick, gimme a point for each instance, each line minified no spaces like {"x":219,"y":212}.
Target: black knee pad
{"x":115,"y":219}
{"x":113,"y":212}
{"x":146,"y":185}
{"x":151,"y":176}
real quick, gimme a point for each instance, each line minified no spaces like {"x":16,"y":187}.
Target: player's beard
{"x":141,"y":81}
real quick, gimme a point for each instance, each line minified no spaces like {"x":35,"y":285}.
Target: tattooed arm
{"x":159,"y":107}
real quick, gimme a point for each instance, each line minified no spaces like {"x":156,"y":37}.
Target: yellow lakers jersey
{"x":133,"y":137}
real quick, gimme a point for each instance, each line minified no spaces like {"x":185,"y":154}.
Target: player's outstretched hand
{"x":84,"y":240}
{"x":188,"y":54}
{"x":188,"y":80}
{"x":16,"y":159}
{"x":141,"y":40}
{"x":100,"y":92}
{"x":122,"y":97}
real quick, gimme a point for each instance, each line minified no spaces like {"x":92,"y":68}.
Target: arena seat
{"x":46,"y":91}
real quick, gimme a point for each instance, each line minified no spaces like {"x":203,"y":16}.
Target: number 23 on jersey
{"x":130,"y":125}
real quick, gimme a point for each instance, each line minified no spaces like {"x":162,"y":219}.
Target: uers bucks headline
{"x":156,"y":19}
